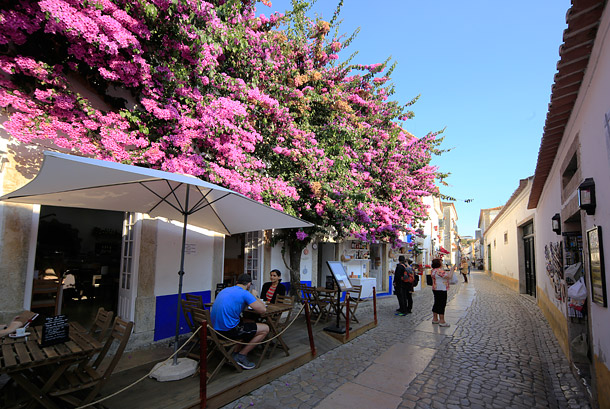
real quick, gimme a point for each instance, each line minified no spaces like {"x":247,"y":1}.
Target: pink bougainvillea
{"x":261,"y":105}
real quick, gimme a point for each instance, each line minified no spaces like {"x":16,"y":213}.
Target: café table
{"x":36,"y":369}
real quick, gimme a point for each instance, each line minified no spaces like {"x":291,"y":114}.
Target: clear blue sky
{"x":484,"y":70}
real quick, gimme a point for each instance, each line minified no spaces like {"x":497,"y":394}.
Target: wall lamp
{"x":556,"y":223}
{"x":586,"y":196}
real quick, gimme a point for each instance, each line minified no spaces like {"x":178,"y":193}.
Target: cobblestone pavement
{"x":498,"y":353}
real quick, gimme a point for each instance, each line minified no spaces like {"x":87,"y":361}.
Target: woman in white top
{"x":440,"y":286}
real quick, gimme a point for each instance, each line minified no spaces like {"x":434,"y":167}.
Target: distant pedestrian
{"x":402,"y":288}
{"x":464,"y":269}
{"x":468,"y":260}
{"x":440,"y":286}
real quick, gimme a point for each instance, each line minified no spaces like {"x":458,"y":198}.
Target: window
{"x":570,"y":171}
{"x":505,"y":237}
{"x":251,"y":248}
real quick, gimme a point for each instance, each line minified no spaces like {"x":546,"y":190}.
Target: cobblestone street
{"x":498,"y":353}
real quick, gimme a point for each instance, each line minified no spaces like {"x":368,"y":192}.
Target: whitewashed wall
{"x":276,"y":262}
{"x":198,"y":261}
{"x":589,"y":124}
{"x":505,"y":256}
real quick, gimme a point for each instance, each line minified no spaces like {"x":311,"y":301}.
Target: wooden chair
{"x":46,"y":294}
{"x":354,"y":301}
{"x":216,"y":343}
{"x":286,"y":300}
{"x":195,"y":298}
{"x":103,"y":320}
{"x":284,"y":320}
{"x":316,"y":305}
{"x":219,"y":288}
{"x":298,"y":288}
{"x":81,"y":384}
{"x":187,"y":312}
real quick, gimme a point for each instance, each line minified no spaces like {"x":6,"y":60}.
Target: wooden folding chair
{"x":284,"y":320}
{"x":103,"y":320}
{"x":216,"y":343}
{"x":316,"y":305}
{"x":198,"y":299}
{"x":354,"y":301}
{"x":46,"y":294}
{"x":187,"y":307}
{"x":81,"y":384}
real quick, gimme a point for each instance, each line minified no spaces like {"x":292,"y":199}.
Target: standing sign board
{"x":337,"y":270}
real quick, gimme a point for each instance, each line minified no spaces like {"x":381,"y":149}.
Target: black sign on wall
{"x":55,"y":330}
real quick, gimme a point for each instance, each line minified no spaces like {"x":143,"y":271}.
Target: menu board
{"x":55,"y":330}
{"x":336,"y":268}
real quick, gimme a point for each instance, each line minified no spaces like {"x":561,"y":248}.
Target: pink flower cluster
{"x":211,"y":90}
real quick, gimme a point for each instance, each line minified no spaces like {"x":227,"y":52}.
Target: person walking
{"x":464,"y":269}
{"x":440,"y":286}
{"x":401,"y":288}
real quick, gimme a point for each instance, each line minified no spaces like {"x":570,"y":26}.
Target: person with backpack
{"x":403,"y":277}
{"x":410,"y":284}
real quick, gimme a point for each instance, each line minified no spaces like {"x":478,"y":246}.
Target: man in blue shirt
{"x":226,"y":318}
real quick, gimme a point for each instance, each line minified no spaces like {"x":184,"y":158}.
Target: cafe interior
{"x":82,"y":247}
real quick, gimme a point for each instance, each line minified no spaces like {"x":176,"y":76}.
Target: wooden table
{"x":24,"y":360}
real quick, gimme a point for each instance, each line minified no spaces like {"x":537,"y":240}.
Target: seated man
{"x":226,"y":312}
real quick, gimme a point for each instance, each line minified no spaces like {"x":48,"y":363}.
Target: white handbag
{"x":454,"y":278}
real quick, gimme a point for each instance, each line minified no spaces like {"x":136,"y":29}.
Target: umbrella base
{"x":167,"y":371}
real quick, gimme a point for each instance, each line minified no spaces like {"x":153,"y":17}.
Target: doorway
{"x":234,"y":258}
{"x":326,"y":252}
{"x":529,"y":261}
{"x":578,"y":317}
{"x":489,"y":257}
{"x":82,"y":247}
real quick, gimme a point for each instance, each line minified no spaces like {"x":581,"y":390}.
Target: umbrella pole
{"x":181,"y":274}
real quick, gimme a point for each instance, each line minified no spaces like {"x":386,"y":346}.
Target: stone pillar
{"x":145,"y":308}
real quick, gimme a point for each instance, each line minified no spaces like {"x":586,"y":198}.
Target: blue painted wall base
{"x":165,"y":317}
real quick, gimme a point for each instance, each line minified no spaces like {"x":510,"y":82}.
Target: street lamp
{"x":586,"y":196}
{"x":556,"y":223}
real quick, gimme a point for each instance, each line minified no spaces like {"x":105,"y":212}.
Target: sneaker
{"x":444,"y":324}
{"x":243,"y":361}
{"x":435,"y":322}
{"x":400,"y":314}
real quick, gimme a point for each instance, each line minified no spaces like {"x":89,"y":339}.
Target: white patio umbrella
{"x":72,"y":181}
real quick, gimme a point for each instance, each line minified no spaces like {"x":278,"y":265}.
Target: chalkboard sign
{"x":55,"y":330}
